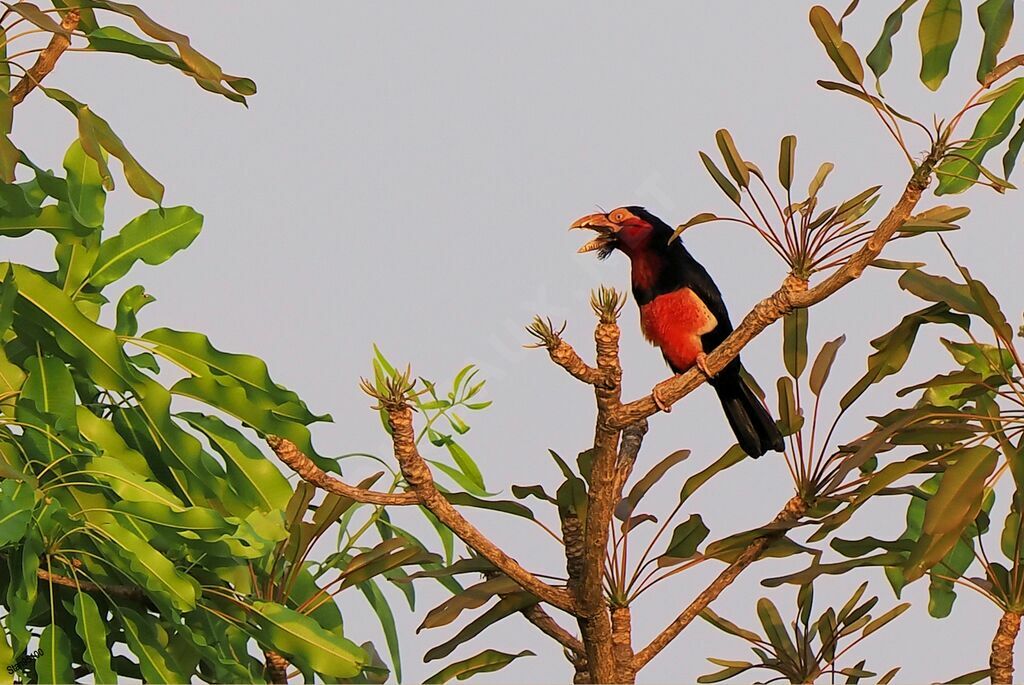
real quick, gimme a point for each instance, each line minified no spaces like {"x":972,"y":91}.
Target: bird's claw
{"x":702,"y":364}
{"x":659,"y":402}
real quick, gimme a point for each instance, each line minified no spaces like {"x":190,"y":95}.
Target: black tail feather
{"x":754,"y":427}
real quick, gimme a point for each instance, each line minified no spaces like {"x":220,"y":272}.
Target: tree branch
{"x":794,"y":509}
{"x":47,"y":58}
{"x":595,"y":622}
{"x":563,"y":354}
{"x":126,"y":591}
{"x":277,"y":667}
{"x":793,"y":294}
{"x":313,"y":474}
{"x":622,"y":645}
{"x":1001,"y":657}
{"x":418,"y":474}
{"x":536,"y":615}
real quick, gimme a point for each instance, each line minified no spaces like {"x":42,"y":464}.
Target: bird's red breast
{"x":675,"y":322}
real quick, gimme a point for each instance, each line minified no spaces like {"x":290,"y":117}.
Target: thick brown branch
{"x":126,"y":591}
{"x":565,"y":356}
{"x":418,"y":474}
{"x":794,"y":509}
{"x":595,"y":622}
{"x":277,"y":667}
{"x":313,"y":474}
{"x":622,"y":645}
{"x":793,"y":294}
{"x":1001,"y":658}
{"x":47,"y":58}
{"x":542,"y":620}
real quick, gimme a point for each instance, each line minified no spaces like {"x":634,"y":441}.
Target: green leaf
{"x":957,"y":174}
{"x":724,"y":183}
{"x":787,"y":155}
{"x":251,"y":475}
{"x":775,"y":629}
{"x":305,"y":643}
{"x":701,"y":218}
{"x":233,"y":400}
{"x":51,"y":219}
{"x":1013,"y":150}
{"x":893,"y":348}
{"x":506,"y":606}
{"x":148,"y":641}
{"x":128,"y":306}
{"x":729,"y":627}
{"x":733,"y":456}
{"x":842,"y":54}
{"x":938,"y":34}
{"x":85,"y":186}
{"x":8,"y":293}
{"x":819,"y":179}
{"x":149,"y":569}
{"x":464,"y":499}
{"x":381,"y":607}
{"x":733,"y":162}
{"x":195,"y":353}
{"x":686,"y":537}
{"x":17,"y":502}
{"x":484,"y":662}
{"x":880,"y":56}
{"x":206,"y":72}
{"x":996,"y":18}
{"x":790,"y":417}
{"x":92,"y":629}
{"x":96,"y":136}
{"x":54,"y":662}
{"x":466,"y":464}
{"x":152,"y":237}
{"x":953,"y":507}
{"x":637,"y":492}
{"x":472,"y":597}
{"x":50,"y":386}
{"x":794,"y":341}
{"x":823,"y":364}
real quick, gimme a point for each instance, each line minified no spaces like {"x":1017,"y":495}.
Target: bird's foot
{"x":660,"y":403}
{"x":702,"y":364}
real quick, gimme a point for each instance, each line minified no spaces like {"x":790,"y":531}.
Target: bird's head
{"x":630,"y":229}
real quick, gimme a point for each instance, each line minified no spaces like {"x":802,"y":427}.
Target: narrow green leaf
{"x":148,"y":641}
{"x":128,"y":305}
{"x":794,"y":341}
{"x":996,"y":19}
{"x":819,"y":179}
{"x":506,"y":606}
{"x":471,"y":598}
{"x":54,"y":662}
{"x":938,"y":34}
{"x":637,"y":492}
{"x":724,"y":183}
{"x":733,"y":162}
{"x":823,"y":364}
{"x":880,"y":56}
{"x":92,"y":629}
{"x":484,"y":662}
{"x":1013,"y":150}
{"x":787,"y":157}
{"x":775,"y":629}
{"x":842,"y":54}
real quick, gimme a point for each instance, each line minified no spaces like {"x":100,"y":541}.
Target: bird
{"x":681,"y":312}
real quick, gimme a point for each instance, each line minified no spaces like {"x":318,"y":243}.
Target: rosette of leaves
{"x":805,"y":650}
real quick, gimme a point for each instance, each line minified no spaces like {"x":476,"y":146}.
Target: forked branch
{"x":47,"y":59}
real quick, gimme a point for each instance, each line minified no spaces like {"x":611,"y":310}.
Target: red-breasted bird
{"x":682,"y":312}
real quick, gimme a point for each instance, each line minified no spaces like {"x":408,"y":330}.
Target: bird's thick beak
{"x":604,"y":227}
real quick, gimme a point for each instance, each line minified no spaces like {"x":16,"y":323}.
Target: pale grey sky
{"x":406,"y":175}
